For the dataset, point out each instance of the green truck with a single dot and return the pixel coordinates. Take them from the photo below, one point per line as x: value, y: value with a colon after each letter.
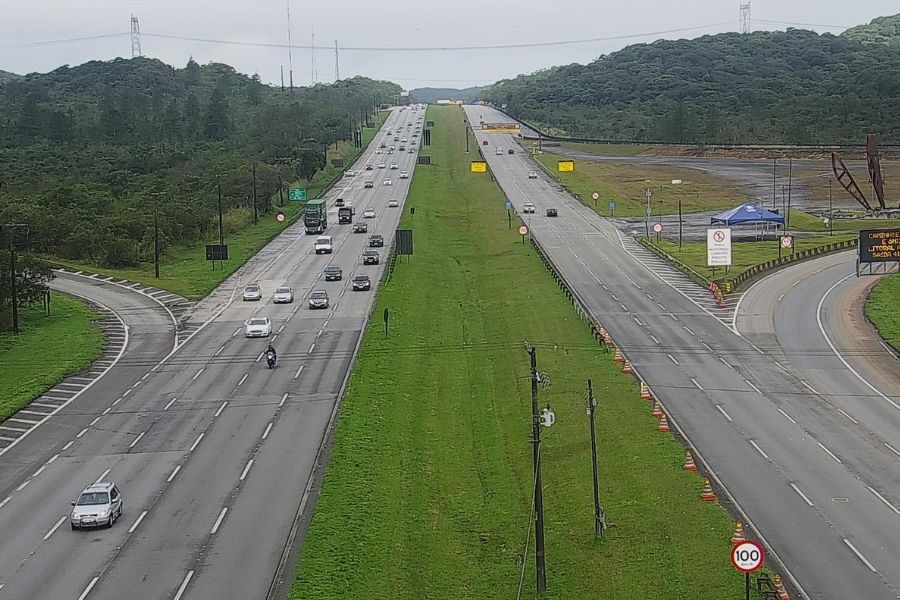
x: 315, y: 218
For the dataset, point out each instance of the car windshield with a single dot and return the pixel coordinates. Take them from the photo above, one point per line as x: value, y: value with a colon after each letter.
x: 257, y: 321
x: 333, y: 269
x: 361, y: 279
x: 251, y: 288
x: 93, y: 499
x: 283, y: 290
x: 318, y: 295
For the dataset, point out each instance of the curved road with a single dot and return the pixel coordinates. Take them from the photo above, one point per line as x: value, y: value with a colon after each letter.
x: 820, y: 492
x: 213, y: 451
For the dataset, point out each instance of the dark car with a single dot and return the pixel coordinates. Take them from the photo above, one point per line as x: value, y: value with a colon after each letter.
x: 361, y: 283
x: 484, y: 143
x: 360, y: 227
x: 370, y: 257
x: 551, y: 212
x: 511, y: 151
x: 376, y: 240
x: 333, y: 273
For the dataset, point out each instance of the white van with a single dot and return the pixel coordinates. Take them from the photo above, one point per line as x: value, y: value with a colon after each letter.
x: 323, y: 244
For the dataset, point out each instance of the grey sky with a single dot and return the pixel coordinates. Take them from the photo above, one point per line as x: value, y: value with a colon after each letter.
x: 394, y: 23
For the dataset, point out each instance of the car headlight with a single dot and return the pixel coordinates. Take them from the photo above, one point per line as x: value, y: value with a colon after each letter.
x: 102, y: 514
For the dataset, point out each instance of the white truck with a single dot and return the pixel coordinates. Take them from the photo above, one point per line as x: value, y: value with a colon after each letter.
x: 323, y: 244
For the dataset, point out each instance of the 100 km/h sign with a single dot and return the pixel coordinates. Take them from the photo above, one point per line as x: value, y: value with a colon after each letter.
x: 748, y: 556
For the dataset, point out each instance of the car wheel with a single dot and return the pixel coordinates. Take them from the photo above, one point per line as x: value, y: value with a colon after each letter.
x: 74, y: 527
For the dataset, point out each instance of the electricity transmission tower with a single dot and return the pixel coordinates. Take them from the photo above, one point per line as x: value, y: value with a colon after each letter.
x: 337, y: 64
x: 745, y: 17
x: 135, y: 37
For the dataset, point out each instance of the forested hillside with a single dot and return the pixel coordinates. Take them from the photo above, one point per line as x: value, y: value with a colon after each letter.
x: 431, y: 95
x: 764, y: 87
x: 86, y: 151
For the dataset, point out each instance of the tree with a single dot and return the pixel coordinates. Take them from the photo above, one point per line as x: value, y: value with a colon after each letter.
x: 215, y: 120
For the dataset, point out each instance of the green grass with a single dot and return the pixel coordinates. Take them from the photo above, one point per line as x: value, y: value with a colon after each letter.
x: 46, y: 350
x: 802, y: 221
x: 743, y: 254
x: 883, y: 309
x: 185, y: 271
x: 626, y: 184
x: 428, y: 489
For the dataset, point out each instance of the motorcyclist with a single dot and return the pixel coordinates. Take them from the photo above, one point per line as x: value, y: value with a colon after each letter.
x: 271, y: 355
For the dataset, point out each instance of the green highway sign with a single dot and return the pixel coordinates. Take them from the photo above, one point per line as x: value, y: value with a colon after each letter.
x: 297, y: 195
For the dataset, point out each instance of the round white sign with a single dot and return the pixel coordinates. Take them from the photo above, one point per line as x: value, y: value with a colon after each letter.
x: 657, y: 227
x: 595, y: 195
x: 523, y: 230
x: 747, y: 556
x: 787, y: 241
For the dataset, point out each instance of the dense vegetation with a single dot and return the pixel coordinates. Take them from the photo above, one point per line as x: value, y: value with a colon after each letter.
x: 88, y: 153
x: 777, y: 87
x: 432, y: 95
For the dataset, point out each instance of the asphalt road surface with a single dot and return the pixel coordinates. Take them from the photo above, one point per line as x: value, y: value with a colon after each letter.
x: 822, y: 492
x: 212, y: 450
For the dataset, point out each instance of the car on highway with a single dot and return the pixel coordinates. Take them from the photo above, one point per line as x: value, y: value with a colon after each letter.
x: 402, y: 148
x: 411, y: 151
x: 323, y: 244
x: 369, y: 213
x: 318, y: 299
x: 396, y: 139
x: 381, y: 165
x: 283, y: 295
x: 258, y: 327
x: 404, y: 174
x: 339, y: 201
x: 532, y: 174
x: 370, y: 167
x: 350, y: 173
x: 379, y: 151
x: 252, y: 292
x: 370, y: 257
x: 528, y: 207
x: 551, y: 212
x: 387, y: 182
x: 499, y: 152
x: 383, y: 145
x: 100, y: 504
x: 484, y: 143
x: 360, y: 227
x: 511, y: 151
x: 404, y: 140
x: 395, y: 166
x: 376, y: 240
x: 333, y: 273
x: 361, y: 283
x: 369, y: 184
x: 393, y: 204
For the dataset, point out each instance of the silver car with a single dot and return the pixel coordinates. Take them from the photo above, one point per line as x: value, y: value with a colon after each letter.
x: 318, y: 299
x: 283, y: 295
x: 258, y: 327
x: 252, y: 292
x: 100, y: 504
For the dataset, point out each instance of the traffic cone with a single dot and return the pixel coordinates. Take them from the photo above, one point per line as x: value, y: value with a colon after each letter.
x: 707, y: 494
x: 626, y: 367
x: 607, y: 339
x: 663, y: 423
x: 619, y: 357
x: 738, y: 536
x: 645, y: 392
x: 603, y: 332
x: 657, y: 410
x: 689, y: 464
x: 779, y: 587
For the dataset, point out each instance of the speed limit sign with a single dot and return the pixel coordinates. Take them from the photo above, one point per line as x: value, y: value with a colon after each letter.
x: 748, y: 556
x: 595, y: 195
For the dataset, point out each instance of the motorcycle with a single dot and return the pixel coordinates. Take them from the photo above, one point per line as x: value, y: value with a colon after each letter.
x: 270, y: 359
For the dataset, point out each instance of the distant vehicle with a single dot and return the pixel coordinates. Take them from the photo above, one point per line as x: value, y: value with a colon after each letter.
x: 100, y: 504
x: 369, y: 167
x: 333, y: 273
x: 383, y: 145
x: 376, y: 240
x: 411, y: 151
x: 528, y: 207
x: 339, y: 201
x: 393, y: 204
x: 370, y: 257
x: 532, y: 174
x: 369, y: 184
x: 360, y: 227
x: 345, y: 215
x: 315, y: 217
x: 394, y: 166
x: 323, y: 244
x: 484, y: 143
x: 350, y: 173
x: 283, y: 295
x: 379, y: 151
x: 396, y: 139
x: 318, y: 299
x: 258, y: 327
x: 499, y: 152
x: 404, y: 174
x: 402, y: 148
x: 252, y: 292
x: 404, y: 140
x: 361, y: 283
x: 381, y: 165
x: 387, y: 182
x: 369, y: 213
x: 551, y: 212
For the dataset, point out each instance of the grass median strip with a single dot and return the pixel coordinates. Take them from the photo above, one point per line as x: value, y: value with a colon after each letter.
x: 883, y: 309
x: 47, y: 349
x: 429, y: 485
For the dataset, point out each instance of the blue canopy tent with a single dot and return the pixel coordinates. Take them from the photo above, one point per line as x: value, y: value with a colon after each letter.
x: 746, y: 213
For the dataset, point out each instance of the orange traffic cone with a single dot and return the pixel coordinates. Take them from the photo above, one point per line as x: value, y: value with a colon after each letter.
x: 626, y: 367
x: 689, y: 464
x: 663, y: 423
x: 607, y: 339
x: 779, y: 587
x: 707, y: 494
x: 645, y: 392
x: 619, y: 357
x: 603, y: 332
x: 657, y: 410
x: 738, y: 536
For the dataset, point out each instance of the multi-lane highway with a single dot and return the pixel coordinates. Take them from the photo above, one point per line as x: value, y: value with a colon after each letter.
x: 822, y: 491
x: 213, y: 451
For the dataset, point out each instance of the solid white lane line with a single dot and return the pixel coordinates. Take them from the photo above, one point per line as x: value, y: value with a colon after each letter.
x: 299, y: 370
x: 146, y: 375
x: 243, y: 379
x: 266, y: 432
x: 672, y: 358
x: 5, y: 501
x: 94, y: 422
x: 840, y: 410
x: 311, y: 348
x: 221, y: 408
x: 53, y: 529
x: 184, y: 584
x: 781, y: 366
x: 126, y: 393
x: 787, y: 416
x: 137, y: 522
x: 829, y: 452
x: 81, y: 433
x: 246, y: 469
x: 885, y: 500
x: 283, y: 398
x: 103, y: 476
x: 40, y: 470
x: 697, y: 385
x: 106, y: 411
x: 89, y: 587
x: 724, y: 414
x: 117, y: 400
x: 174, y: 473
x: 198, y: 373
x: 219, y: 520
x: 725, y: 362
x: 688, y: 329
x: 892, y: 449
x: 653, y: 337
x: 760, y: 450
x: 171, y: 402
x: 860, y: 556
x: 809, y: 387
x: 755, y: 389
x: 196, y: 442
x: 802, y: 495
x: 136, y: 440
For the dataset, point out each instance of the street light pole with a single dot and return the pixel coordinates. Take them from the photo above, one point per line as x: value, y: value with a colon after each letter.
x: 221, y: 230
x: 156, y: 234
x: 255, y: 206
x: 830, y: 209
x: 598, y: 511
x: 649, y: 212
x: 13, y: 289
x: 538, y: 488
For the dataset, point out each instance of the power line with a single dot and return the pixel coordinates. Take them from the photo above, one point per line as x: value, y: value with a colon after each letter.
x: 89, y: 38
x: 802, y: 24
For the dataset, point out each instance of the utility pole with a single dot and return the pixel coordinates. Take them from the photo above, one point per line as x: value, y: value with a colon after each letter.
x: 156, y: 196
x: 649, y: 211
x: 538, y: 488
x: 830, y: 209
x: 337, y: 64
x: 221, y: 230
x: 13, y: 289
x: 467, y: 139
x: 679, y: 224
x: 790, y: 185
x: 774, y: 166
x: 255, y: 206
x: 598, y: 511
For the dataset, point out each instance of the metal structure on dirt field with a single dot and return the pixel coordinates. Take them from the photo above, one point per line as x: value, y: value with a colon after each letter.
x: 845, y: 178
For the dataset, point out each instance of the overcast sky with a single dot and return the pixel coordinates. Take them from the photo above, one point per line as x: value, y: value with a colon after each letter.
x: 386, y: 23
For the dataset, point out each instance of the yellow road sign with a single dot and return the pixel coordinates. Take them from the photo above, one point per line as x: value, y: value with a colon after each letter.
x: 478, y: 166
x: 565, y: 166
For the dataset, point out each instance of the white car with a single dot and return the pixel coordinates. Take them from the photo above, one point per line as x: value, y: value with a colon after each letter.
x: 369, y: 213
x: 394, y: 166
x: 404, y: 174
x: 252, y: 292
x: 393, y: 204
x: 258, y: 327
x: 323, y: 244
x: 381, y: 165
x: 379, y: 151
x: 528, y: 208
x: 404, y: 140
x: 350, y: 173
x: 388, y: 182
x: 99, y: 505
x: 499, y: 152
x: 411, y: 151
x: 283, y: 295
x: 532, y: 174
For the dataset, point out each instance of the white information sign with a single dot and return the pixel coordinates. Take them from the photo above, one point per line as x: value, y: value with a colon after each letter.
x: 718, y: 247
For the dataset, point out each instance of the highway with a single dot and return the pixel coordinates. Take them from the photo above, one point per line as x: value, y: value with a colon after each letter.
x: 213, y: 451
x: 820, y: 491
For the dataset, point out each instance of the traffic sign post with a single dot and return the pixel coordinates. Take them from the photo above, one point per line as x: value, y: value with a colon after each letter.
x: 748, y: 557
x: 595, y: 196
x: 612, y: 208
x: 279, y: 217
x: 297, y: 195
x: 509, y: 214
x: 523, y: 231
x: 657, y: 229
